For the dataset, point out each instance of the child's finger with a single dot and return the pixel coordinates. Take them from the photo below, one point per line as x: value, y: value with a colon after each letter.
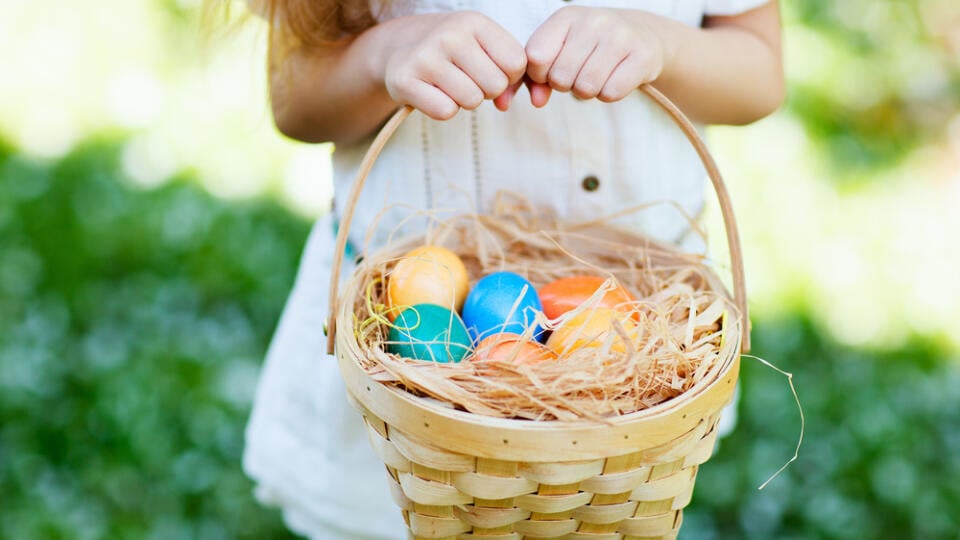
x: 491, y: 80
x: 544, y: 46
x: 459, y: 86
x: 539, y: 93
x: 569, y: 62
x: 597, y: 70
x: 430, y: 100
x: 502, y: 102
x: 504, y: 50
x: 627, y: 77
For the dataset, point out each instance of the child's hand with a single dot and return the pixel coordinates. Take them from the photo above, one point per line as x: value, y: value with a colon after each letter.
x: 539, y: 94
x: 441, y: 62
x: 595, y: 52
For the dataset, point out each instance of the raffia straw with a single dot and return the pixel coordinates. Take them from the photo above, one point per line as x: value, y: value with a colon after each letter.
x: 803, y: 422
x: 674, y: 348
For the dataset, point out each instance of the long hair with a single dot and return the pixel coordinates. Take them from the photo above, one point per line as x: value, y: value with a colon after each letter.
x: 309, y: 24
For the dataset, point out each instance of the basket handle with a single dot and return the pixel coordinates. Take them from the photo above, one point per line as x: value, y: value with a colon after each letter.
x: 726, y: 208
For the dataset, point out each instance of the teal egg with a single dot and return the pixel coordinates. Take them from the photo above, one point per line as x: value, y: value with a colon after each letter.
x: 429, y: 332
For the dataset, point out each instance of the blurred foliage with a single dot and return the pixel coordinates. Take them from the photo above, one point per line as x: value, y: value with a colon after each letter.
x: 133, y: 323
x: 870, y: 80
x: 880, y: 454
x: 132, y: 328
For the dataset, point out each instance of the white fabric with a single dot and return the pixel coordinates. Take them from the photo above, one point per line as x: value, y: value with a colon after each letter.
x: 306, y: 447
x: 729, y: 7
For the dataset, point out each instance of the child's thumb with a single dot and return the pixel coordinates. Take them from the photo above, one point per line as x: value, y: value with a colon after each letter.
x: 539, y: 93
x: 502, y: 102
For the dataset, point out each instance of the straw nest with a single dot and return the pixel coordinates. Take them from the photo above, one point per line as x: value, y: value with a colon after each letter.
x: 680, y: 314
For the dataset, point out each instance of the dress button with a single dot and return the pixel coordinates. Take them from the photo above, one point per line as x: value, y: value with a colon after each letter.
x: 590, y: 183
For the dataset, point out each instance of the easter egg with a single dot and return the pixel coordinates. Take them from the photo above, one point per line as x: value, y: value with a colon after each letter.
x: 591, y: 328
x: 429, y: 332
x: 501, y: 302
x: 427, y: 275
x: 512, y: 348
x: 564, y: 294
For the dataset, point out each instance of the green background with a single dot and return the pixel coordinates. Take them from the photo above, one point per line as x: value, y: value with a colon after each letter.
x: 151, y: 221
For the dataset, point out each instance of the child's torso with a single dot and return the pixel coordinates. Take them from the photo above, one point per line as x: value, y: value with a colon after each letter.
x: 585, y: 159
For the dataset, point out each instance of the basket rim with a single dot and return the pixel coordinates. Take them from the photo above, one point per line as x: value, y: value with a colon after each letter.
x: 538, y: 441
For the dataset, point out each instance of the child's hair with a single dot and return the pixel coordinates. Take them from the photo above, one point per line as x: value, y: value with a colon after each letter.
x: 308, y: 23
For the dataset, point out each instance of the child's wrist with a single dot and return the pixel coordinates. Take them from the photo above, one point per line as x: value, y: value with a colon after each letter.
x: 665, y: 32
x: 386, y: 40
x: 376, y: 54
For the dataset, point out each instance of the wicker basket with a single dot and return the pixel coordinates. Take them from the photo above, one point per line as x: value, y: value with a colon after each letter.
x: 460, y: 475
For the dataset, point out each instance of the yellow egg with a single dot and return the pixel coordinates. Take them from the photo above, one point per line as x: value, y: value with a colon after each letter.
x: 427, y: 275
x: 592, y: 328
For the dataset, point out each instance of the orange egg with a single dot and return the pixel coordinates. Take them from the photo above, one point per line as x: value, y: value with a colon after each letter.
x: 512, y: 348
x: 562, y: 295
x: 591, y: 328
x: 427, y: 275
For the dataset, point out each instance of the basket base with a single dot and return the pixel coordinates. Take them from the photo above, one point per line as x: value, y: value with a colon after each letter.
x: 625, y: 497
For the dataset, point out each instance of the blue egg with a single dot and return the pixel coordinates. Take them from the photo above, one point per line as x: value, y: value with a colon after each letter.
x: 429, y: 332
x: 502, y: 302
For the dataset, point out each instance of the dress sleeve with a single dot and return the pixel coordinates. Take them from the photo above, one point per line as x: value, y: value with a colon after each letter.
x: 725, y: 7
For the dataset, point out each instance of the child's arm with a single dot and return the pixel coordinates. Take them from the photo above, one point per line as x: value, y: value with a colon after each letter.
x: 728, y: 72
x: 436, y: 62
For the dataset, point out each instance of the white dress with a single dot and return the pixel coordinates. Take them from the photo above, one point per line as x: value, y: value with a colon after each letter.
x: 305, y: 446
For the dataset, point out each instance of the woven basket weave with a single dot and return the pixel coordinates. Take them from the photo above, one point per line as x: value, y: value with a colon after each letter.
x: 460, y: 475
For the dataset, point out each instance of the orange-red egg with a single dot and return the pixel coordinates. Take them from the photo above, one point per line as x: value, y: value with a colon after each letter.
x: 427, y: 275
x: 592, y: 328
x: 564, y: 294
x: 512, y: 348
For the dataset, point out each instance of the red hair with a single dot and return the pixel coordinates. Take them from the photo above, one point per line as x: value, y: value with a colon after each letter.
x: 308, y: 23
